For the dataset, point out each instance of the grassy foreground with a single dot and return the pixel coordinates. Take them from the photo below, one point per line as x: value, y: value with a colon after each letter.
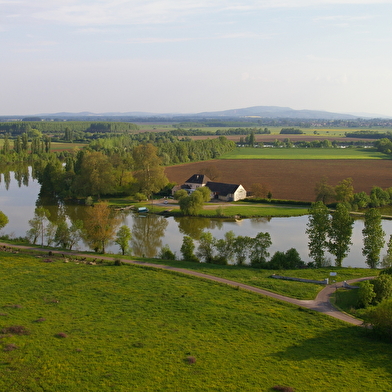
x: 304, y: 153
x: 135, y: 329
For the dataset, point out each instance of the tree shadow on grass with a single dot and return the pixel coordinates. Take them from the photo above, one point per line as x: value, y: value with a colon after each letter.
x: 346, y: 345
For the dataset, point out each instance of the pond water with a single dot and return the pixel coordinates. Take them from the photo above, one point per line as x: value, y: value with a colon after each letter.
x: 18, y: 196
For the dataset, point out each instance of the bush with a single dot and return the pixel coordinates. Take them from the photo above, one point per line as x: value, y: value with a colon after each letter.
x: 117, y: 262
x: 380, y: 317
x: 366, y: 294
x: 166, y: 253
x: 382, y: 288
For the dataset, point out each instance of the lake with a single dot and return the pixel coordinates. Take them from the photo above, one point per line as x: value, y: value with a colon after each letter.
x: 18, y: 196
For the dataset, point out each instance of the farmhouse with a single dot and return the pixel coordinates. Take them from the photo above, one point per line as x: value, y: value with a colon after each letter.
x: 219, y: 190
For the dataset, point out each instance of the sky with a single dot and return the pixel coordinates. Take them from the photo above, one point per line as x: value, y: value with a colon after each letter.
x: 190, y: 56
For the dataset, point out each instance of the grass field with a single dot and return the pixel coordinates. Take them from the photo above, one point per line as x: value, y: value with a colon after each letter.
x: 304, y: 153
x: 107, y: 328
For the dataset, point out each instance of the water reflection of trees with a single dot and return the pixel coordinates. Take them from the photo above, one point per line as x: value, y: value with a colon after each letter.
x: 194, y: 227
x: 21, y: 174
x: 147, y: 233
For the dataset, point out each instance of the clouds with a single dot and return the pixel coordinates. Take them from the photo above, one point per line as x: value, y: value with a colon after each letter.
x: 122, y: 12
x: 187, y: 56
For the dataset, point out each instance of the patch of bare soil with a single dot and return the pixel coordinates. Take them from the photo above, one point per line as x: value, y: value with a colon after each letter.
x: 291, y: 179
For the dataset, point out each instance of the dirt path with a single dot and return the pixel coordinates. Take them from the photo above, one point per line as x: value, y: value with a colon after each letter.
x: 321, y: 304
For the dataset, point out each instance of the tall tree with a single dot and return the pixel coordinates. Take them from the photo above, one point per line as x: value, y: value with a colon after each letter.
x: 387, y: 259
x: 95, y: 176
x: 149, y: 174
x: 187, y: 249
x: 373, y: 237
x: 205, y: 251
x: 259, y: 252
x: 37, y: 225
x: 317, y: 231
x: 340, y: 233
x: 100, y: 226
x: 324, y: 192
x: 123, y: 237
x: 345, y: 191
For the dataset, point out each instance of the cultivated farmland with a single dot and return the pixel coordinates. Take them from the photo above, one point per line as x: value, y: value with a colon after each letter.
x: 291, y: 179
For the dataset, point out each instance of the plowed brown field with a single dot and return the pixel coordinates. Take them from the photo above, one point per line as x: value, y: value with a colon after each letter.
x: 291, y: 179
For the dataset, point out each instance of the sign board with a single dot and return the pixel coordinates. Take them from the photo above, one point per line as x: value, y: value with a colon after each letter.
x: 333, y: 273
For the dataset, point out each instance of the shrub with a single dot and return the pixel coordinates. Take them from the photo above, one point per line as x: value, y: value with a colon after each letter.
x: 386, y: 271
x: 380, y: 317
x: 166, y: 253
x: 117, y: 262
x: 382, y: 288
x: 366, y: 294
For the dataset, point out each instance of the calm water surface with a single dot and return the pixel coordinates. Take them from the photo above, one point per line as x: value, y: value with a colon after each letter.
x: 18, y: 200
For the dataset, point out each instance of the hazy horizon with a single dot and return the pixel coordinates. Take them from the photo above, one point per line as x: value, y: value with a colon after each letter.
x: 194, y: 56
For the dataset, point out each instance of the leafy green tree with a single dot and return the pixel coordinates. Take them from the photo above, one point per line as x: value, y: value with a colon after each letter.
x: 100, y: 226
x: 345, y: 191
x: 191, y: 204
x: 205, y: 250
x: 317, y: 231
x: 225, y: 247
x: 340, y: 232
x: 289, y: 260
x: 379, y: 197
x: 166, y: 253
x: 206, y: 193
x: 37, y: 224
x: 242, y: 248
x: 380, y: 317
x: 18, y: 145
x: 387, y: 259
x: 123, y: 237
x: 382, y: 286
x: 181, y: 193
x: 324, y: 192
x: 366, y: 294
x: 259, y: 251
x: 95, y: 176
x: 3, y: 220
x: 140, y: 196
x: 6, y: 144
x: 361, y: 200
x: 187, y: 249
x: 373, y: 237
x: 150, y: 175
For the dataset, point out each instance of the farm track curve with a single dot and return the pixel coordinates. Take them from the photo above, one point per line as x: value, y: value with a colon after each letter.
x: 321, y: 304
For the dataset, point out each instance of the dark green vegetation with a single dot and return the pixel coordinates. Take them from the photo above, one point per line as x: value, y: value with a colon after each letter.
x: 372, y: 303
x: 72, y: 327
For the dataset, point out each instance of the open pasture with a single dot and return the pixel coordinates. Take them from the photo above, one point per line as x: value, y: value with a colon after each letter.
x: 291, y: 179
x: 304, y: 153
x: 106, y: 328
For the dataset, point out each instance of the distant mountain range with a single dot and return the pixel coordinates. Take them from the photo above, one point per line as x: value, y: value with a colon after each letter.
x: 271, y: 112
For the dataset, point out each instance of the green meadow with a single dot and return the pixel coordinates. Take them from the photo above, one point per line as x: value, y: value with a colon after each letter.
x: 304, y: 153
x: 78, y: 327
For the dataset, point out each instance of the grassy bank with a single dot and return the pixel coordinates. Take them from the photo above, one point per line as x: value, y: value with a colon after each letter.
x: 107, y: 328
x: 217, y: 210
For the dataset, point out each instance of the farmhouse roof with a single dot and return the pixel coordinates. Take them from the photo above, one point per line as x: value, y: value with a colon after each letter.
x: 222, y: 188
x: 198, y: 179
